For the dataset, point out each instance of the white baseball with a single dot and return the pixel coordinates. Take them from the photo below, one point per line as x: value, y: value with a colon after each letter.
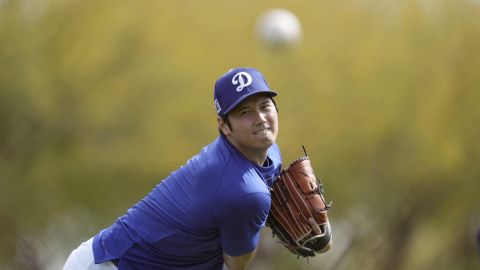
x: 279, y: 28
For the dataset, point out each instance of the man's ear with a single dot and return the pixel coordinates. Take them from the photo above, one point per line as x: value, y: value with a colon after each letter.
x: 223, y: 126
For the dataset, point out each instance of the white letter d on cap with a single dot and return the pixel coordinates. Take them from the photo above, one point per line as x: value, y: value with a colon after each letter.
x: 243, y: 79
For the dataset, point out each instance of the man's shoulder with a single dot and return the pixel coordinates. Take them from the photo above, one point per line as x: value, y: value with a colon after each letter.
x: 217, y: 151
x: 210, y: 164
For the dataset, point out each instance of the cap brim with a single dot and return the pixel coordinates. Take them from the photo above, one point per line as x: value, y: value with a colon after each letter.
x: 233, y: 105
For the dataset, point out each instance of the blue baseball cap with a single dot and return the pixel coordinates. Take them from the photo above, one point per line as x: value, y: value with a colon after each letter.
x: 235, y: 86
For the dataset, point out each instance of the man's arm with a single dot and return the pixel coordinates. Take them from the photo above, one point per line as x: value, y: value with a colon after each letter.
x: 238, y: 262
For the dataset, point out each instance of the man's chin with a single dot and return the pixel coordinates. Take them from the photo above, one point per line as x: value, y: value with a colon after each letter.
x: 266, y: 143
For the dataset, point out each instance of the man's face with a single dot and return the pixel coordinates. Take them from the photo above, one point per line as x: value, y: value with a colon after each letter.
x: 254, y: 124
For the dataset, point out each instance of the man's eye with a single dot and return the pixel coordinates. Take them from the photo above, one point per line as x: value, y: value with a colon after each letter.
x: 266, y: 105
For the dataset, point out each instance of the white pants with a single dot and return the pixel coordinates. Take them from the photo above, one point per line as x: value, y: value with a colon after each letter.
x: 82, y: 259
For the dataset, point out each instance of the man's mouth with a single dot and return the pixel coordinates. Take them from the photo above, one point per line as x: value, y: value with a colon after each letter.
x: 262, y: 131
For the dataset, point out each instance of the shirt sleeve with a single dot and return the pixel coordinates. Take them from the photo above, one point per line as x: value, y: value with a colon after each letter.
x: 241, y: 220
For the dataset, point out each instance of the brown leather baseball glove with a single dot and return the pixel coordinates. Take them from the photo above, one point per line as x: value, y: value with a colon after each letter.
x: 298, y: 214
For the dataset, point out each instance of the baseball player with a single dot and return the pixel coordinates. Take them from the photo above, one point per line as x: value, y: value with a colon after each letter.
x: 207, y: 214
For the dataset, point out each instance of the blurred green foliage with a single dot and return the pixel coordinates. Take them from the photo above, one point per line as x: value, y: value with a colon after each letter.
x: 100, y: 100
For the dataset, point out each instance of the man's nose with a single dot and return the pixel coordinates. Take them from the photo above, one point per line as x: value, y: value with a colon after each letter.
x: 260, y: 117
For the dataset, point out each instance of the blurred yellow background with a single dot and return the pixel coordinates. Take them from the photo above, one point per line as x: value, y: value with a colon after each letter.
x: 100, y: 100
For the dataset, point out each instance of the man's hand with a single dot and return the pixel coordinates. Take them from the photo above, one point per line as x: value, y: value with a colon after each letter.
x: 238, y: 262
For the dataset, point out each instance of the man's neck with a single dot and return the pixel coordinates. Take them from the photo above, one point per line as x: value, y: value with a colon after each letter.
x: 257, y: 159
x: 255, y: 156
